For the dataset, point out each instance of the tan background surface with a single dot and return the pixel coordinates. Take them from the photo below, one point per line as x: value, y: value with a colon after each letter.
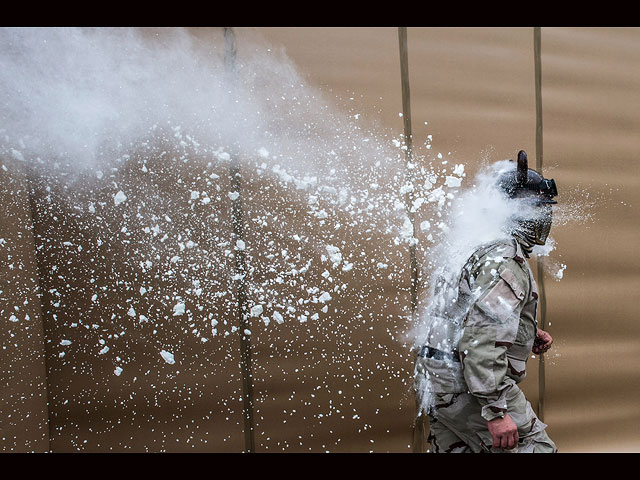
x: 475, y: 88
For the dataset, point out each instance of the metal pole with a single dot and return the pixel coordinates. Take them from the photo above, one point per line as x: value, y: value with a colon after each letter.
x: 540, y: 261
x: 406, y: 116
x: 418, y: 434
x: 241, y: 270
x: 31, y: 179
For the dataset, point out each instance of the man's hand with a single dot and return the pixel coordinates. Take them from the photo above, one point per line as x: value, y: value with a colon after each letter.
x: 503, y: 432
x: 542, y: 342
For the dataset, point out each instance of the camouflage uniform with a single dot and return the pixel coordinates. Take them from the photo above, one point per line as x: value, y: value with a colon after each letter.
x: 469, y: 367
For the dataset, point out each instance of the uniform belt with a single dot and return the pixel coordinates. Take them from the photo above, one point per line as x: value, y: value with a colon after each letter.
x: 428, y: 352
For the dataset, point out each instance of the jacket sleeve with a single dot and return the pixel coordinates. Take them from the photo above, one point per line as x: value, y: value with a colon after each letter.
x: 490, y: 329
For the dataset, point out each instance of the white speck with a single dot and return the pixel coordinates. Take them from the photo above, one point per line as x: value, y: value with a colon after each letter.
x: 195, y: 195
x: 278, y: 318
x: 17, y: 155
x: 118, y: 371
x: 143, y: 290
x: 65, y: 342
x: 224, y: 156
x: 131, y: 312
x: 256, y: 310
x: 233, y: 195
x: 104, y: 350
x: 240, y: 245
x: 263, y: 152
x: 178, y: 309
x: 247, y: 331
x: 167, y: 357
x: 424, y: 226
x: 334, y: 254
x: 119, y: 198
x: 452, y: 182
x: 324, y: 298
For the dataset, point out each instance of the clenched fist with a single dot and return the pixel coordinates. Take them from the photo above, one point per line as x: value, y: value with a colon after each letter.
x: 542, y: 343
x: 503, y: 432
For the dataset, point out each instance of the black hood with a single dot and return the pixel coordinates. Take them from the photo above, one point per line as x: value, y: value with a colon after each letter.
x: 523, y: 182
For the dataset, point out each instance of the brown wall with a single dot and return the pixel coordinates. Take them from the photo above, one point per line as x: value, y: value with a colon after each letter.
x: 475, y: 88
x: 342, y: 384
x: 24, y: 423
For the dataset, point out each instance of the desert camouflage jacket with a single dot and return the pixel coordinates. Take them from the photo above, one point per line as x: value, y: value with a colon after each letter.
x: 489, y: 329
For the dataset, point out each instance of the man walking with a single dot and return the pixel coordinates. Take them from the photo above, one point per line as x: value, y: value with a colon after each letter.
x: 482, y: 328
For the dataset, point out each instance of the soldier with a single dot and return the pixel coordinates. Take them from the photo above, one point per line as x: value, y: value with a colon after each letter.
x: 482, y: 328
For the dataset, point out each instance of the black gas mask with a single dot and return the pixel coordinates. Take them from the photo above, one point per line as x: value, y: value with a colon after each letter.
x: 533, y: 223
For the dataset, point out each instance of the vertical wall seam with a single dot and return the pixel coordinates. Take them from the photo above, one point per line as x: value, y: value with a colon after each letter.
x: 418, y: 441
x: 241, y: 271
x: 30, y: 176
x: 542, y: 311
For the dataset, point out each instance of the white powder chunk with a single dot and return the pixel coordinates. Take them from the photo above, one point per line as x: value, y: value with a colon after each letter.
x: 119, y: 198
x: 17, y: 155
x: 178, y: 309
x: 334, y: 254
x: 167, y: 357
x: 324, y: 298
x: 452, y: 182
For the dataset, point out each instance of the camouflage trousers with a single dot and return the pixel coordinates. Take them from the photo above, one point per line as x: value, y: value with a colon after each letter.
x: 457, y: 427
